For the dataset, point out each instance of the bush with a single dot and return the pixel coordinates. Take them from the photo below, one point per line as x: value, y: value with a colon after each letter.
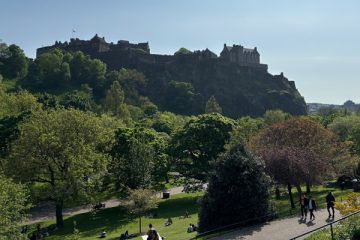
x: 238, y: 191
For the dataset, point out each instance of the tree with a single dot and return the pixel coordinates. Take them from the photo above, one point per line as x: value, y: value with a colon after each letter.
x: 201, y: 140
x: 139, y: 158
x: 180, y: 97
x: 114, y: 99
x: 13, y: 208
x: 341, y: 126
x: 140, y: 201
x: 212, y: 106
x: 245, y: 129
x: 13, y: 62
x: 354, y: 136
x: 182, y: 51
x: 296, y: 151
x: 64, y: 152
x: 275, y: 116
x: 238, y: 190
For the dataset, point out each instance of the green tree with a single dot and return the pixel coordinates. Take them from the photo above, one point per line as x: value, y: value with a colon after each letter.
x: 79, y: 100
x: 139, y: 158
x: 341, y: 126
x: 62, y: 151
x: 201, y: 140
x: 238, y: 190
x: 140, y: 201
x: 180, y: 97
x: 245, y: 129
x: 275, y: 116
x: 114, y: 102
x: 13, y: 208
x: 182, y: 51
x: 354, y: 136
x: 212, y: 106
x: 13, y: 62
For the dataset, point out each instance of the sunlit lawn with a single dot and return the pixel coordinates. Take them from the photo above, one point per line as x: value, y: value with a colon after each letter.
x: 116, y: 221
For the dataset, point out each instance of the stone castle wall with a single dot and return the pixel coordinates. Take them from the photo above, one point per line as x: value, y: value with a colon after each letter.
x: 129, y: 55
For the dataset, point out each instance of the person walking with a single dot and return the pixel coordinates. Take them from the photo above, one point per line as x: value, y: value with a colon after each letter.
x: 330, y: 202
x: 312, y: 207
x: 304, y: 202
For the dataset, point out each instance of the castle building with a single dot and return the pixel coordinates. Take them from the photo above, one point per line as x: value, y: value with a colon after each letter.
x: 126, y: 54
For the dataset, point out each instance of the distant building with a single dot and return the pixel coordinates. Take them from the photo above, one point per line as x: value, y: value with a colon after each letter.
x: 126, y: 54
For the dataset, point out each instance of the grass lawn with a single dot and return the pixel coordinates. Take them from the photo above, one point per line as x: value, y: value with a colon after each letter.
x: 116, y: 221
x: 282, y: 206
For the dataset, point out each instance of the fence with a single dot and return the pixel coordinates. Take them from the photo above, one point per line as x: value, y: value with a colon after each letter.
x: 326, y: 226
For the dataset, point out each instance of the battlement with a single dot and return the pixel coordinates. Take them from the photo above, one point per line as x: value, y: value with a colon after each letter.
x: 126, y: 54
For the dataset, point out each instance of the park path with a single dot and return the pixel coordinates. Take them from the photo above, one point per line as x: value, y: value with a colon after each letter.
x: 282, y: 229
x: 46, y: 210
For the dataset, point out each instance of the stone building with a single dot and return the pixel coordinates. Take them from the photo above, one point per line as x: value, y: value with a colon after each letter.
x: 126, y: 54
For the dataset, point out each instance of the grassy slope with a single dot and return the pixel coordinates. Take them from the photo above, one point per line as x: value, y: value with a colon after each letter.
x: 115, y: 220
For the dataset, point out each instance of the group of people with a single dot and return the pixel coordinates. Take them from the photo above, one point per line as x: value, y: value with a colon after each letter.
x: 311, y: 205
x: 192, y: 228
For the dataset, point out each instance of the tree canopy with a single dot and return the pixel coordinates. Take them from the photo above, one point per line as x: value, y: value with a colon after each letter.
x: 238, y: 190
x: 201, y: 140
x: 62, y: 150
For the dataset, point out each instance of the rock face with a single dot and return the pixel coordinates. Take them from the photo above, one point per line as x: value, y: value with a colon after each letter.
x: 237, y: 79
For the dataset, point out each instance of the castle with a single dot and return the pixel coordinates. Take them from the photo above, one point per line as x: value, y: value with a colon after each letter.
x: 129, y: 55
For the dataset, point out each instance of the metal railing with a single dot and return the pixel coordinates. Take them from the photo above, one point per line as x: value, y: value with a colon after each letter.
x: 325, y: 226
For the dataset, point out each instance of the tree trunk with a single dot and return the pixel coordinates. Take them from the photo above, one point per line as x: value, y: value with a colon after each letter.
x: 291, y: 196
x: 140, y: 225
x: 277, y: 192
x: 59, y: 214
x: 298, y: 188
x: 166, y: 178
x: 308, y: 190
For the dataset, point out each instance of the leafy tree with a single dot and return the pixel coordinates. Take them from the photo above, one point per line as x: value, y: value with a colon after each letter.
x: 13, y: 208
x: 341, y: 126
x: 13, y: 104
x: 212, y: 106
x: 182, y: 51
x: 201, y: 140
x: 354, y: 136
x: 13, y: 62
x: 328, y: 114
x: 275, y: 116
x: 180, y: 97
x: 114, y: 98
x: 140, y: 201
x: 245, y: 129
x: 62, y: 151
x: 296, y: 151
x: 139, y: 158
x: 132, y: 82
x: 238, y: 190
x: 78, y: 100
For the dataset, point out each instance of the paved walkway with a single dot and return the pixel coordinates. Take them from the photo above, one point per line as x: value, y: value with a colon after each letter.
x: 46, y: 211
x: 282, y: 229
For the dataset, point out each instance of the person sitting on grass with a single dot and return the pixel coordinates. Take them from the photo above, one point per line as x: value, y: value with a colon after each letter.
x: 125, y: 235
x: 194, y: 227
x: 103, y: 234
x: 169, y: 222
x: 190, y: 228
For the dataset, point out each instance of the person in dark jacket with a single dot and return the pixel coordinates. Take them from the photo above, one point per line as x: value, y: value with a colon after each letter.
x: 330, y: 202
x: 312, y: 207
x: 304, y: 202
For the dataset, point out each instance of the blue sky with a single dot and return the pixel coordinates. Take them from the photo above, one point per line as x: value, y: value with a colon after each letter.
x: 315, y: 43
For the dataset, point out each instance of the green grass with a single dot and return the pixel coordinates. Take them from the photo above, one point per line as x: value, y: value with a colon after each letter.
x: 283, y: 208
x: 116, y: 221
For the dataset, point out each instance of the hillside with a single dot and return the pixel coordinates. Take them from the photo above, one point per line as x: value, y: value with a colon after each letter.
x: 182, y: 83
